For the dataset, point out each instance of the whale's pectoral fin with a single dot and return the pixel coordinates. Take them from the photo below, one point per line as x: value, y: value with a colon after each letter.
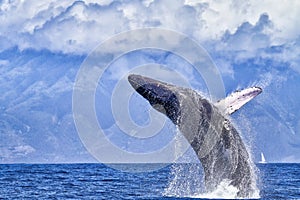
x: 236, y: 100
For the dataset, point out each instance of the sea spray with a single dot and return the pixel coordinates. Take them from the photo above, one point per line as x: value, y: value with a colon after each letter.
x: 223, y: 191
x: 246, y: 127
x: 186, y: 180
x: 186, y: 173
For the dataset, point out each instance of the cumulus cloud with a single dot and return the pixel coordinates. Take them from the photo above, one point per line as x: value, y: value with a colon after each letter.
x: 249, y: 37
x: 232, y: 31
x: 79, y: 26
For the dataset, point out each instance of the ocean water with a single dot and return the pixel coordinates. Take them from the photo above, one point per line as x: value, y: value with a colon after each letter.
x: 97, y: 181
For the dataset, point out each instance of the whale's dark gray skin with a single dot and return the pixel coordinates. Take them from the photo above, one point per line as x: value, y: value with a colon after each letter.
x: 216, y: 142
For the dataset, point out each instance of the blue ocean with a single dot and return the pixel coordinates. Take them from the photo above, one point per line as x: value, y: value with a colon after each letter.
x: 98, y: 181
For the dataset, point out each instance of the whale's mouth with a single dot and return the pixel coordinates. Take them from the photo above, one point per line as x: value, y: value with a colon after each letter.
x: 159, y: 95
x: 136, y: 81
x: 154, y: 91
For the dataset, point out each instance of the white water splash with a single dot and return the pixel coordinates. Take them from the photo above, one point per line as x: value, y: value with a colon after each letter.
x: 181, y: 188
x: 187, y: 180
x: 186, y: 173
x: 223, y: 191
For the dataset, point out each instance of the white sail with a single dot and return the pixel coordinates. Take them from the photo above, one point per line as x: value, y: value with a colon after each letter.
x: 263, y: 160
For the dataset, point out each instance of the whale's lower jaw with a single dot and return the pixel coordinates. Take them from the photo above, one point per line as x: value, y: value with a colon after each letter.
x: 215, y: 141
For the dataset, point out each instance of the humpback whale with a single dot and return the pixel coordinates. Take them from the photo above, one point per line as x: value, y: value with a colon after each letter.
x: 207, y: 128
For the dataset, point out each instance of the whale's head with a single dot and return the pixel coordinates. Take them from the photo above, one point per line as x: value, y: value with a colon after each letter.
x: 159, y: 94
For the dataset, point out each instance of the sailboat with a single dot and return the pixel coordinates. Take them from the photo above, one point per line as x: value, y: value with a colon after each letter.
x: 263, y: 160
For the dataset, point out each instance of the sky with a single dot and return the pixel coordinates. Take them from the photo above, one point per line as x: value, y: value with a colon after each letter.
x: 44, y: 43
